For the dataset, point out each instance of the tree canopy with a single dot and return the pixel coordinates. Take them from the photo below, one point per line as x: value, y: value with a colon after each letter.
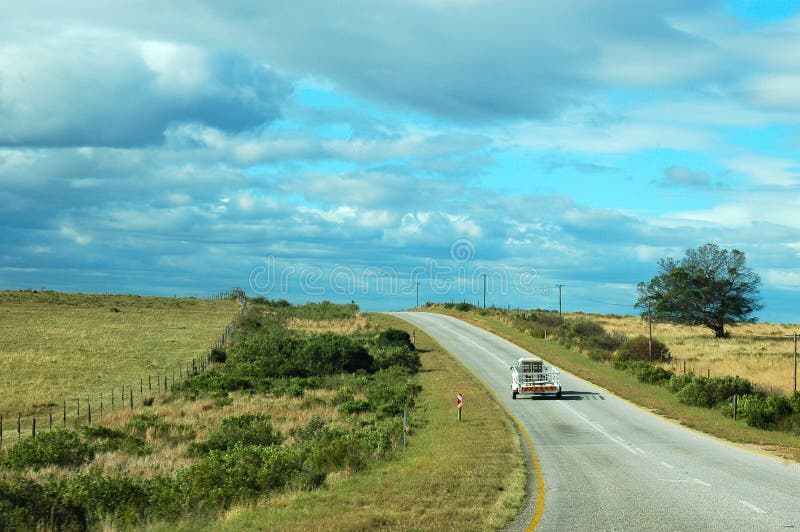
x: 709, y: 286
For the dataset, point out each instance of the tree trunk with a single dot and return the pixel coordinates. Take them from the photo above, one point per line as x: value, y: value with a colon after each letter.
x: 719, y: 330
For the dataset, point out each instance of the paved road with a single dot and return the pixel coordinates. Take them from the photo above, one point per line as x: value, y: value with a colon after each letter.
x: 608, y: 465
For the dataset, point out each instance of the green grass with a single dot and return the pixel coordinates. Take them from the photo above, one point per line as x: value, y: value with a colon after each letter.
x: 56, y: 346
x: 467, y: 475
x: 655, y: 398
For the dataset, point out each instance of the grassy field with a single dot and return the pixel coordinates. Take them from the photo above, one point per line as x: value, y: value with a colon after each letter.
x: 56, y: 346
x: 761, y: 352
x: 656, y: 398
x: 467, y: 475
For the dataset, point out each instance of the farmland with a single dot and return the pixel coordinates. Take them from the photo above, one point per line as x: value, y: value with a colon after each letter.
x: 56, y: 346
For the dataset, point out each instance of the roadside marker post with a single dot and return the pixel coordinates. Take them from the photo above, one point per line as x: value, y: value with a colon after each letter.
x: 460, y: 403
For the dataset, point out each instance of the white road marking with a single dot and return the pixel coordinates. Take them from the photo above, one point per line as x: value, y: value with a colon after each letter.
x: 597, y: 427
x: 698, y: 481
x: 639, y: 450
x: 667, y: 465
x: 753, y: 507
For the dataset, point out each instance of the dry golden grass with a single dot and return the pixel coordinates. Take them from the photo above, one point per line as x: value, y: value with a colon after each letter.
x: 56, y: 347
x: 359, y: 324
x: 759, y: 352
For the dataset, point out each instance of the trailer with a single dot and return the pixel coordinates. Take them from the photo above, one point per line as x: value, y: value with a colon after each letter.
x: 532, y: 376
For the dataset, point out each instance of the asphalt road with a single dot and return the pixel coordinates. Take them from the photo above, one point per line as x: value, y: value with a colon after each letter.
x: 609, y: 465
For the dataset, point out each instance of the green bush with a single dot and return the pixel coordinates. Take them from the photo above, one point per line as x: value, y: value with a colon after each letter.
x: 105, y: 439
x: 643, y: 371
x: 247, y: 429
x: 395, y: 337
x: 679, y: 382
x: 332, y: 353
x: 764, y: 412
x: 464, y: 306
x: 397, y: 355
x: 638, y: 348
x: 355, y: 406
x: 391, y: 391
x: 710, y: 391
x: 310, y: 430
x: 58, y: 447
x: 213, y: 381
x: 217, y: 355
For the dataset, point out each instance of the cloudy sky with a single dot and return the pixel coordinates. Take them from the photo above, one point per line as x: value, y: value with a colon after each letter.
x: 353, y: 149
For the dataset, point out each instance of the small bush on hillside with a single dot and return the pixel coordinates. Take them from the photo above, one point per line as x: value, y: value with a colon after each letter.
x: 679, y: 382
x: 105, y: 439
x: 395, y: 337
x: 764, y: 412
x: 59, y: 447
x: 247, y: 429
x: 356, y: 406
x: 638, y: 348
x: 644, y: 372
x: 217, y: 355
x: 390, y: 392
x: 332, y: 353
x: 710, y: 391
x: 397, y: 355
x: 464, y: 306
x: 212, y: 381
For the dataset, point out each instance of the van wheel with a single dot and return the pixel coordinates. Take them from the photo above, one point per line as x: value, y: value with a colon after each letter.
x: 513, y: 394
x: 558, y: 394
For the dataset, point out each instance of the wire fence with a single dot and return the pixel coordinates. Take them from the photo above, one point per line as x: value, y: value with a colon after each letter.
x: 90, y: 409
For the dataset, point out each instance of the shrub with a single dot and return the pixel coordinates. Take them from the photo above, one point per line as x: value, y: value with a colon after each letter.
x: 710, y: 391
x: 310, y: 430
x: 644, y: 372
x: 59, y: 447
x: 464, y: 306
x: 764, y: 412
x: 679, y: 382
x: 397, y: 355
x: 395, y: 337
x: 354, y: 407
x: 212, y: 381
x: 391, y: 391
x: 331, y: 353
x: 217, y: 355
x: 638, y: 348
x: 247, y: 429
x: 105, y: 439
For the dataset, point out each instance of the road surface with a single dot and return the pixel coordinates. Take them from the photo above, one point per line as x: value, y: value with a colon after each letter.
x: 609, y: 465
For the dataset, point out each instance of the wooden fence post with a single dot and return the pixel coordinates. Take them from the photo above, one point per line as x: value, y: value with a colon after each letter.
x: 33, y: 428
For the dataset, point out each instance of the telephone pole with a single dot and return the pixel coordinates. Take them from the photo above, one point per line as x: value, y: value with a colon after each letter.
x: 484, y: 290
x: 650, y: 329
x: 417, y: 295
x: 559, y: 299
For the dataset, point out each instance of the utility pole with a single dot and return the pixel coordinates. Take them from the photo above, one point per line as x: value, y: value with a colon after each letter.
x: 650, y: 329
x: 417, y: 294
x: 795, y: 362
x: 484, y: 290
x: 559, y: 299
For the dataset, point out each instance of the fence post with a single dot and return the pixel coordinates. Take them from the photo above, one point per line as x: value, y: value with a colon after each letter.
x: 1, y: 432
x: 165, y: 382
x: 101, y: 405
x: 89, y: 414
x: 51, y: 418
x: 65, y: 413
x: 19, y: 426
x: 149, y: 384
x: 735, y: 405
x: 131, y: 398
x: 112, y: 399
x: 78, y: 401
x: 33, y: 428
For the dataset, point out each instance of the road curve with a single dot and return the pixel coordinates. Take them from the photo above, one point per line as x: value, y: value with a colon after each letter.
x: 609, y: 465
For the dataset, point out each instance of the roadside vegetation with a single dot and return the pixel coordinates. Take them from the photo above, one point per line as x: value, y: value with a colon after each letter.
x: 621, y: 362
x: 303, y: 409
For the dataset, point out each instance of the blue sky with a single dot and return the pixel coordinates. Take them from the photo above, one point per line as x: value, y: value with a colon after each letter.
x: 364, y: 151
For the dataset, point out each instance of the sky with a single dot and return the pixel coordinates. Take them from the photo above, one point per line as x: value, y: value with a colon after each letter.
x: 382, y: 152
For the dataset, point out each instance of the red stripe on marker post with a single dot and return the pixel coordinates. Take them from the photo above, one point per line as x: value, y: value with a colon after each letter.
x: 460, y: 403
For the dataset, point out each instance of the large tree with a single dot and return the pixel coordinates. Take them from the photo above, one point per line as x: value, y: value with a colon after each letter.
x: 710, y: 286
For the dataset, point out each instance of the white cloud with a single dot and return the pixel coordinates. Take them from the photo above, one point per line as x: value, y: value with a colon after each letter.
x: 71, y: 233
x: 761, y: 170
